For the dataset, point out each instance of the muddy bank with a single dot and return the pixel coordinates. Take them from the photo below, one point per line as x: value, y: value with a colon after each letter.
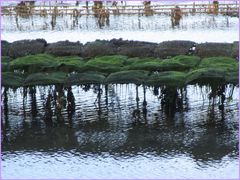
x: 118, y: 46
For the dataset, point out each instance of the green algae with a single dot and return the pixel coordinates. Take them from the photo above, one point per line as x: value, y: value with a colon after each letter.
x: 168, y: 78
x: 85, y: 78
x: 106, y: 64
x: 131, y: 76
x: 34, y: 63
x: 45, y: 78
x: 12, y: 79
x: 178, y: 63
x: 226, y: 63
x: 43, y: 69
x: 5, y: 63
x: 70, y: 63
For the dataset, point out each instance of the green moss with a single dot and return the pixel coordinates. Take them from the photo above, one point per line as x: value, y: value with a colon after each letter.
x: 207, y: 75
x: 85, y: 78
x: 131, y: 76
x: 34, y: 63
x: 5, y: 63
x: 168, y: 78
x: 178, y: 63
x: 106, y: 64
x: 148, y: 64
x: 12, y: 79
x: 45, y: 78
x: 70, y: 63
x: 226, y: 63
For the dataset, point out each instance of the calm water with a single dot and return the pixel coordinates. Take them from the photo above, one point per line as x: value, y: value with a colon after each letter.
x: 157, y: 28
x: 121, y: 131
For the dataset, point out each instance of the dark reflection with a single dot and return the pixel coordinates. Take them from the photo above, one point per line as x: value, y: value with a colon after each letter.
x: 48, y: 110
x: 32, y: 92
x: 128, y: 119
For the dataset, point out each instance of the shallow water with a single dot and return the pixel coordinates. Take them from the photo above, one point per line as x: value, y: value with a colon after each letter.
x: 104, y: 138
x: 157, y: 28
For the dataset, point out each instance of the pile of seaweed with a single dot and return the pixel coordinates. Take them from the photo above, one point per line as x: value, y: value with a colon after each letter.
x: 170, y: 63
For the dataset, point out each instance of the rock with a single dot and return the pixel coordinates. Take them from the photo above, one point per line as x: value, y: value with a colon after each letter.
x: 213, y: 50
x: 98, y: 48
x: 64, y: 48
x: 5, y: 48
x: 27, y: 47
x: 173, y: 48
x: 134, y: 48
x: 235, y: 50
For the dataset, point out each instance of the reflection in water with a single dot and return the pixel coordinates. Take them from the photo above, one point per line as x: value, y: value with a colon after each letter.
x: 126, y: 121
x: 198, y: 123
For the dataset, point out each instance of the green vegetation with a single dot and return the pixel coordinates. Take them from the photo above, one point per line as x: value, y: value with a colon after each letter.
x: 168, y: 78
x: 12, y: 79
x: 43, y: 69
x: 131, y: 76
x: 45, y: 78
x: 226, y: 63
x: 85, y: 78
x: 107, y: 64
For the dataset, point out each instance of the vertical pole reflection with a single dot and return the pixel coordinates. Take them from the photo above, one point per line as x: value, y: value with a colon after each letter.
x: 32, y: 92
x: 70, y: 103
x: 136, y: 112
x: 144, y: 104
x: 48, y: 110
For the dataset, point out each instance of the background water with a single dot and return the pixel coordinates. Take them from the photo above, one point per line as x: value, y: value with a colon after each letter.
x: 104, y: 139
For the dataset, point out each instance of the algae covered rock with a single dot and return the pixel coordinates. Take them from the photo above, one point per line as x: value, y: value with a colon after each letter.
x: 177, y: 63
x: 106, y: 64
x: 173, y: 48
x: 70, y: 63
x: 131, y: 76
x: 168, y: 78
x: 64, y: 48
x: 34, y: 63
x: 45, y: 79
x: 26, y: 47
x: 12, y: 79
x: 227, y: 63
x: 214, y: 49
x: 85, y: 78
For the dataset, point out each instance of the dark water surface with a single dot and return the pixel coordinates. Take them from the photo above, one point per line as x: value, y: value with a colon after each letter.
x: 120, y: 131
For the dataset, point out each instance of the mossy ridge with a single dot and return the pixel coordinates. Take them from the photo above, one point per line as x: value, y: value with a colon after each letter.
x: 70, y: 63
x: 207, y: 75
x: 168, y: 78
x: 45, y: 62
x: 5, y: 63
x: 34, y: 63
x: 131, y: 76
x: 45, y: 78
x: 85, y: 78
x: 177, y: 63
x: 106, y: 64
x: 225, y: 63
x: 12, y: 79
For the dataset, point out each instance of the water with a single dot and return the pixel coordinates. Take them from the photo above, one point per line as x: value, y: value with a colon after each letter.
x: 157, y: 28
x: 111, y: 134
x: 106, y: 138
